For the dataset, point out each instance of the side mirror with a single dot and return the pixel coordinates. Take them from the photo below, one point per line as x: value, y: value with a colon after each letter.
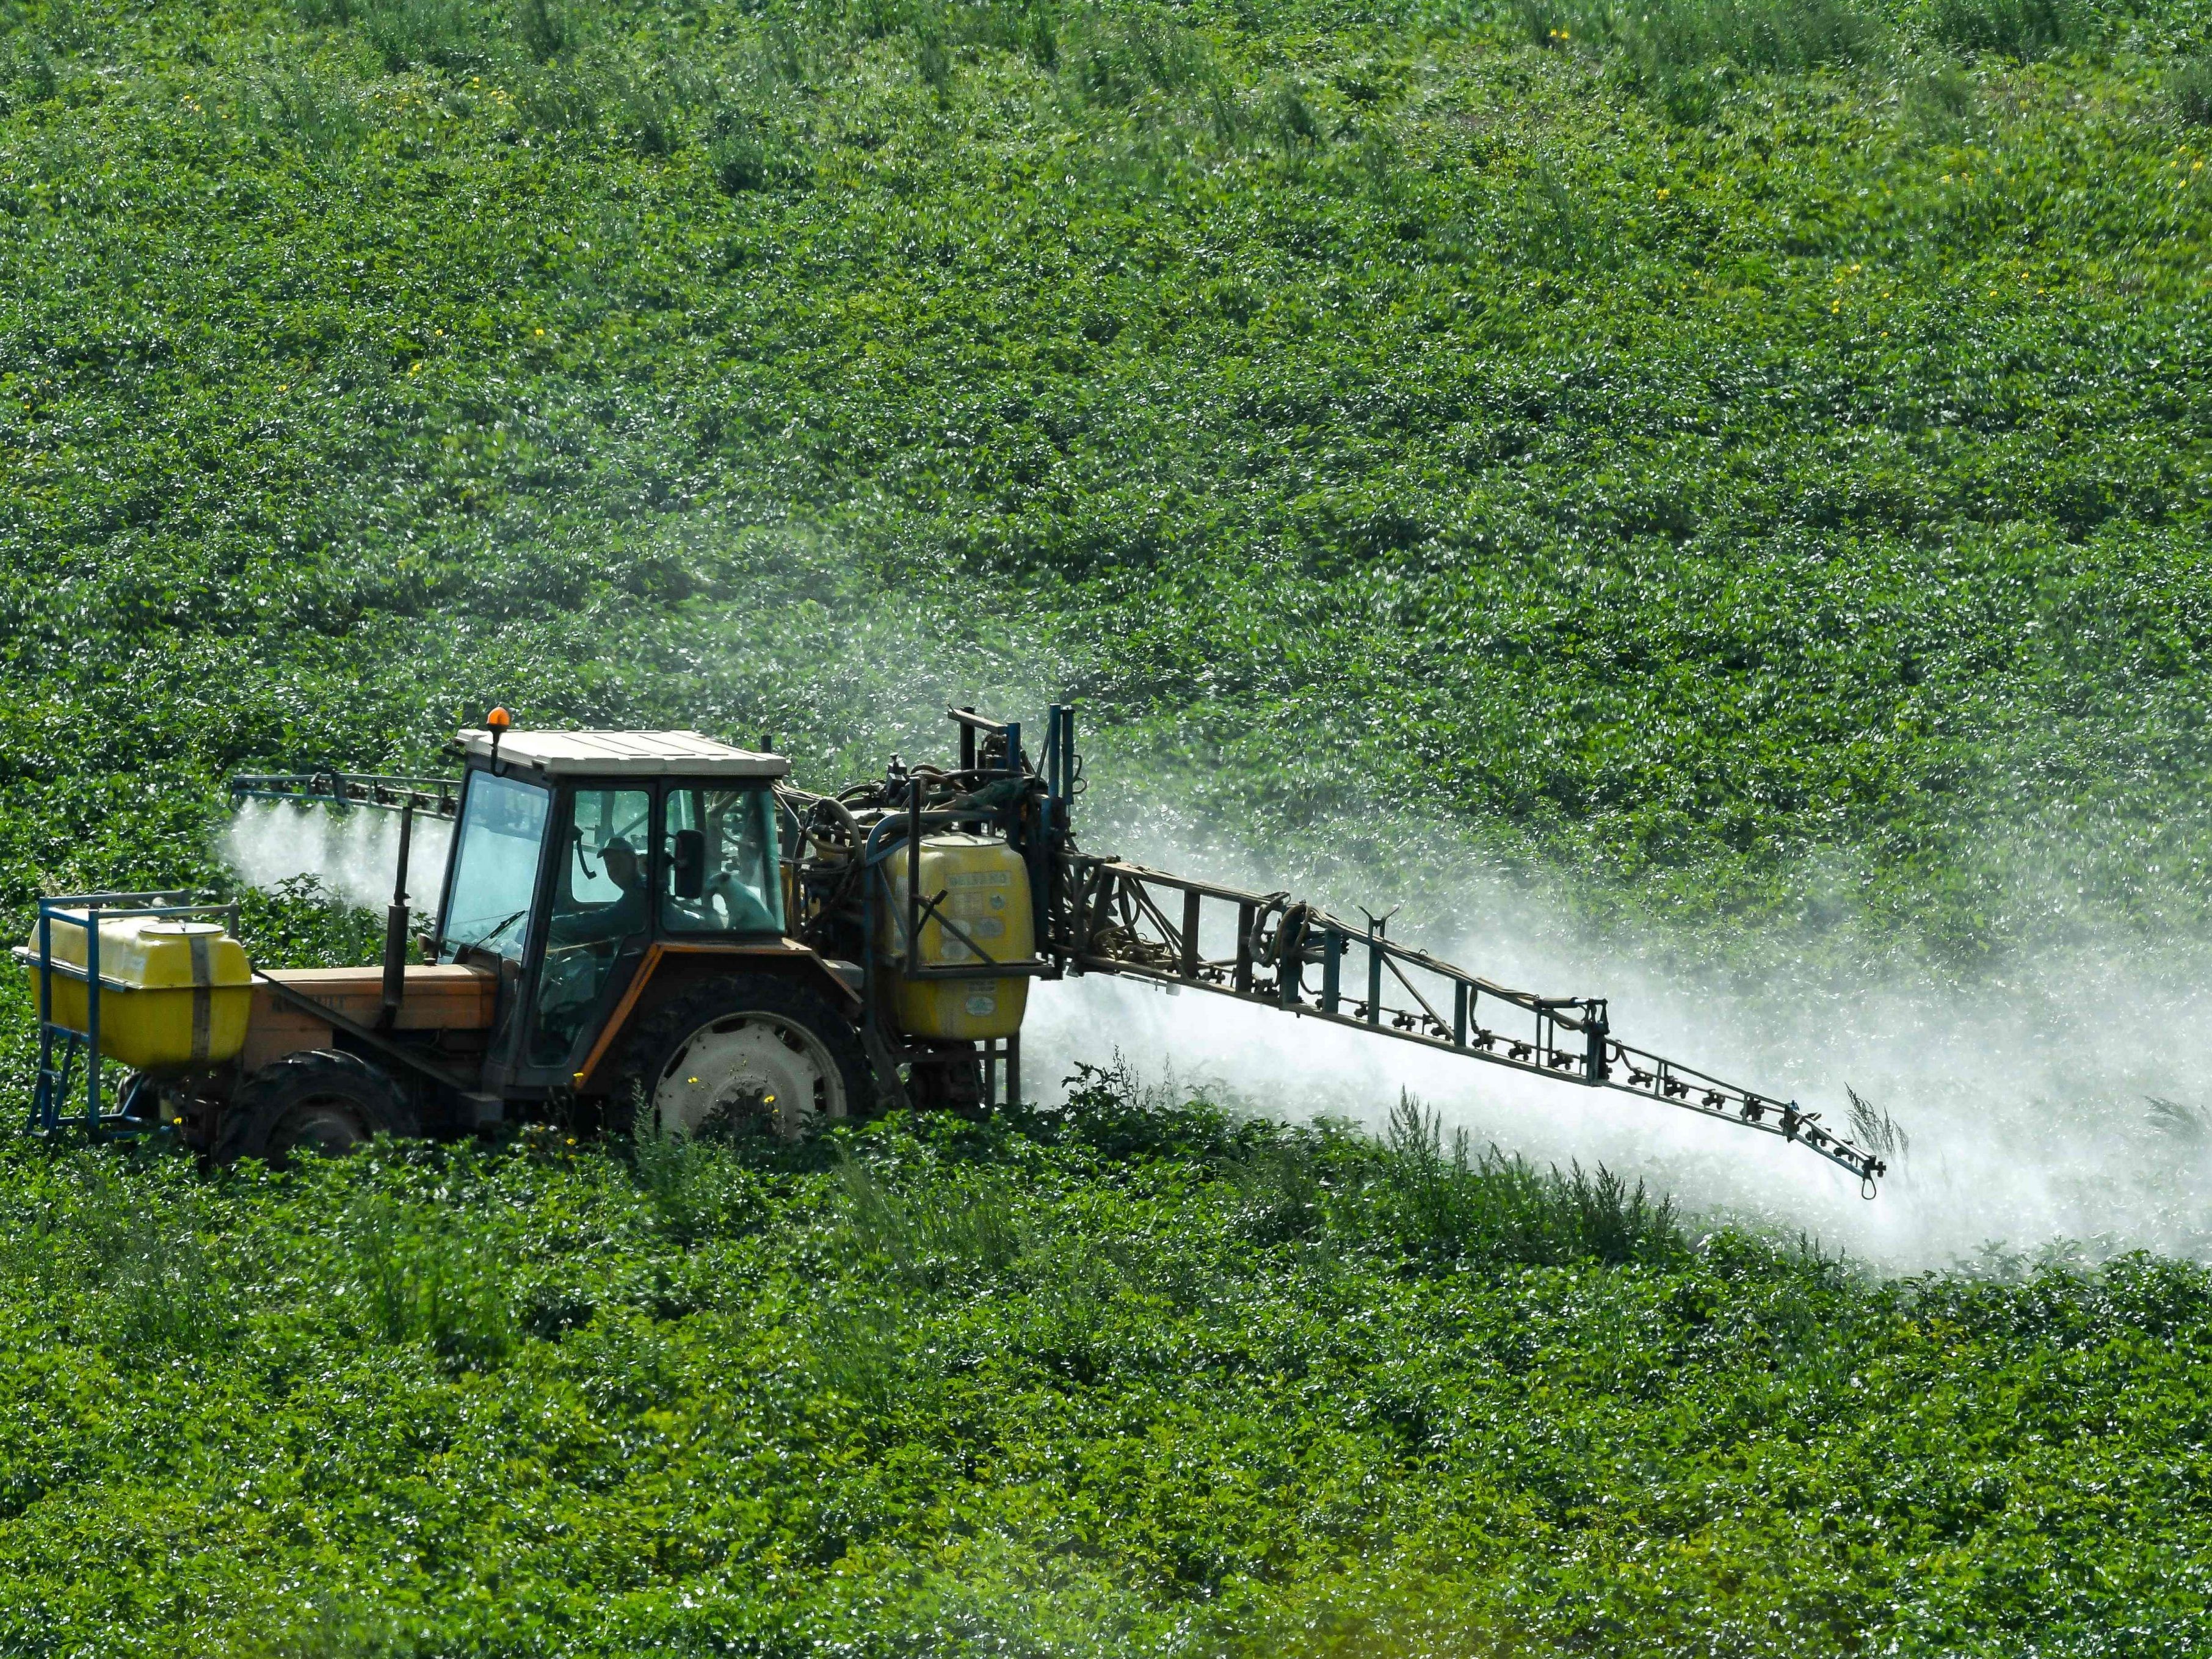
x: 688, y: 870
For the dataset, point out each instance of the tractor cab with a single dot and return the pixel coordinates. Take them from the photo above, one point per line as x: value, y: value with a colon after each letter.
x: 578, y: 855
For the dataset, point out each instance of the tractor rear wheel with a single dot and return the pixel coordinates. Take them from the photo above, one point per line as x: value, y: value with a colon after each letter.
x: 319, y: 1102
x: 743, y: 1051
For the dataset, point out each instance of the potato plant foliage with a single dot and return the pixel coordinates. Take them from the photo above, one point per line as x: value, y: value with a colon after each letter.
x: 1721, y: 454
x: 1122, y: 1378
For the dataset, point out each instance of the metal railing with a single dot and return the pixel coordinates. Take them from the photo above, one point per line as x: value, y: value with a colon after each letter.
x: 60, y: 1045
x: 1123, y: 918
x: 439, y: 796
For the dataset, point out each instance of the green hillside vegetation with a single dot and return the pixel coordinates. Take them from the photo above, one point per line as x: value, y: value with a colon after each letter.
x: 1743, y: 454
x: 1740, y: 462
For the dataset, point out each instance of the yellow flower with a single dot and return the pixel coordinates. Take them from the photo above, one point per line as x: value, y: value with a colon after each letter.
x: 538, y: 332
x: 1662, y: 192
x: 417, y: 370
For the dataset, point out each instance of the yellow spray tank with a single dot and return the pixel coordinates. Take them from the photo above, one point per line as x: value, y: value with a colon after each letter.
x: 174, y: 992
x: 987, y: 896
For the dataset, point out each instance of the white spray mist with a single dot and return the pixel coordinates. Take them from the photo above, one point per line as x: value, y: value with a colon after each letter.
x: 354, y: 851
x: 2029, y: 1102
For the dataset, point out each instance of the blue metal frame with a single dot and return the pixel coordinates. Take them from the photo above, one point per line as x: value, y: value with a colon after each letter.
x: 60, y: 1045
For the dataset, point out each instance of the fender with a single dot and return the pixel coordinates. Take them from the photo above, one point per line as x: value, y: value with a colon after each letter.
x: 669, y: 962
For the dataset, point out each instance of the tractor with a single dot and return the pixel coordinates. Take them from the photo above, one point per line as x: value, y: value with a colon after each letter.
x: 658, y: 932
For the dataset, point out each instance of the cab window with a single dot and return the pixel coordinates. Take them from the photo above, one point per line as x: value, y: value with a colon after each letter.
x: 501, y: 833
x: 718, y: 861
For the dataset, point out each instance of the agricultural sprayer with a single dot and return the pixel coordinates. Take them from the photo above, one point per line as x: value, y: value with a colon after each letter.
x: 657, y: 924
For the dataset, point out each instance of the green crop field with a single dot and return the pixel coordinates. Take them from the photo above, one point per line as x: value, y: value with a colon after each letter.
x: 1741, y: 467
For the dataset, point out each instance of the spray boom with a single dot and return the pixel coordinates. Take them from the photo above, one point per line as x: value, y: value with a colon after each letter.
x: 1105, y: 915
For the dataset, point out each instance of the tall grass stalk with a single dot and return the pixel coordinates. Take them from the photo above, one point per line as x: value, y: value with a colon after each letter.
x: 1683, y: 52
x: 417, y: 1282
x: 1437, y: 1201
x: 2189, y: 90
x: 950, y: 1227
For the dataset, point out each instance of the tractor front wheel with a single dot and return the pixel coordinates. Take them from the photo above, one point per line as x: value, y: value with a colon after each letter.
x: 744, y: 1051
x: 319, y: 1102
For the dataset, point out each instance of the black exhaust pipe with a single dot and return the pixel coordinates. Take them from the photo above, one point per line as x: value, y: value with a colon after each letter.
x: 395, y: 929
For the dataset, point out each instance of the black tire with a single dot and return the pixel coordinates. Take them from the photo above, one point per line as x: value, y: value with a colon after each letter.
x: 735, y: 1009
x: 318, y: 1101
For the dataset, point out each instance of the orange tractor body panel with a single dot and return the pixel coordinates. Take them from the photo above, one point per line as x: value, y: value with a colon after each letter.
x: 441, y: 999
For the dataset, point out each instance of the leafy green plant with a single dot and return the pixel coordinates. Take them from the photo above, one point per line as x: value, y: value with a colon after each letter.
x: 301, y: 923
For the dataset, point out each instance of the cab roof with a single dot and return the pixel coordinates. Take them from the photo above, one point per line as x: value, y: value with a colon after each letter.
x: 626, y: 754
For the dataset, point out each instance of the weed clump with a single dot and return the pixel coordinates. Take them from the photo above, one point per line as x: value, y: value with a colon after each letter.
x: 545, y: 28
x: 2021, y: 29
x: 1454, y: 1204
x: 420, y: 1281
x: 421, y: 33
x: 1683, y: 54
x: 2189, y: 90
x: 748, y: 153
x: 959, y: 1225
x: 1410, y: 1192
x: 316, y: 115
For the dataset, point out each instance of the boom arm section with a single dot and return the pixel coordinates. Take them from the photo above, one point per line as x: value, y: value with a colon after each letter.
x: 1122, y: 917
x: 439, y: 797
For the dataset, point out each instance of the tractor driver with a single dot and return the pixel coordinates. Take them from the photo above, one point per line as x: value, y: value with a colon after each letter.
x: 629, y: 912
